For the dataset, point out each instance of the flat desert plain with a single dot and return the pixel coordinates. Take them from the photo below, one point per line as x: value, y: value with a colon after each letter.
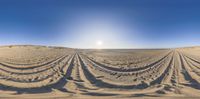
x: 40, y: 72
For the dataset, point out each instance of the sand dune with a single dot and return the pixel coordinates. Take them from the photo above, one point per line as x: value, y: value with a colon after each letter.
x: 56, y: 72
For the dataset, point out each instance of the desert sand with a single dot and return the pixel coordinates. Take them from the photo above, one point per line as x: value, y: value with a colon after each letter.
x: 42, y: 72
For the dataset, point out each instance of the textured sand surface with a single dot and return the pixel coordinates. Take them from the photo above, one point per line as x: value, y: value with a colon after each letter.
x: 57, y: 73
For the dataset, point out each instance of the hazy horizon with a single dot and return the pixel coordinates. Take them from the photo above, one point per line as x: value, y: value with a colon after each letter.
x: 104, y: 24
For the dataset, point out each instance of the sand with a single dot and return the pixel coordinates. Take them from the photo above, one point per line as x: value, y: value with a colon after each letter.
x: 41, y: 72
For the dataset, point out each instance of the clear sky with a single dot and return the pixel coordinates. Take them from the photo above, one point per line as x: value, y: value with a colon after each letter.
x: 100, y: 23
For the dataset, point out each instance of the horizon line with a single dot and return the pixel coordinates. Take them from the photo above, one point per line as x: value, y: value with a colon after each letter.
x: 98, y: 48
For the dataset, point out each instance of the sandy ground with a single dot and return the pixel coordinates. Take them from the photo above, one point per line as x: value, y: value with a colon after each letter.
x: 40, y: 72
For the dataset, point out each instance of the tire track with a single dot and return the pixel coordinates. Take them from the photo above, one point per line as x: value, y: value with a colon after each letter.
x: 187, y: 75
x: 127, y: 70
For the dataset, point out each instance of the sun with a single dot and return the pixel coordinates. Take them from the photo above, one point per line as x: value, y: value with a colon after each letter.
x: 99, y: 43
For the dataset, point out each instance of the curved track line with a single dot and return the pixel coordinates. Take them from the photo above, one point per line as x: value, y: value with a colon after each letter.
x: 128, y: 70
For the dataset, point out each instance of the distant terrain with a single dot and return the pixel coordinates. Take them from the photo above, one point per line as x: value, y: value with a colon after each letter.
x: 37, y: 72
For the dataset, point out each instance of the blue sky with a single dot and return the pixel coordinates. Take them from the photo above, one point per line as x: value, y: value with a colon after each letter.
x: 116, y: 23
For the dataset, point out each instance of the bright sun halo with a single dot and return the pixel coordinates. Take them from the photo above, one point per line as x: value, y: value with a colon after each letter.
x: 99, y: 43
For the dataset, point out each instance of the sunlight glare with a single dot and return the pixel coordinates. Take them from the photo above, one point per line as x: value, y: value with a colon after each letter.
x: 99, y: 43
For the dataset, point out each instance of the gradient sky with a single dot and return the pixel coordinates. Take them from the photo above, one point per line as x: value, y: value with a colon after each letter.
x: 116, y: 23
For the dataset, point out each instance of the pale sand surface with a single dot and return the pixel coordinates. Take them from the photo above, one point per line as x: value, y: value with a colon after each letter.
x: 35, y: 72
